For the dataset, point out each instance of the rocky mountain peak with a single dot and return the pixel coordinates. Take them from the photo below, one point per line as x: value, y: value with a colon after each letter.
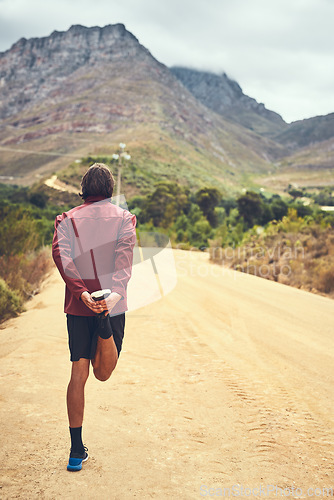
x: 214, y: 89
x: 33, y: 67
x: 225, y: 96
x: 77, y: 33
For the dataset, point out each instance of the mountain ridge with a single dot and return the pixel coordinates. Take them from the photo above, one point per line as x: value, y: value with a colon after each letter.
x: 33, y: 54
x: 79, y: 91
x: 225, y: 96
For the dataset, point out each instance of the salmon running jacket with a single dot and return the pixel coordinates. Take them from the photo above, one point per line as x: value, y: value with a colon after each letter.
x: 93, y: 249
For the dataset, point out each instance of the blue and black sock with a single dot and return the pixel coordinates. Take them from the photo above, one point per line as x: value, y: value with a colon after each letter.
x: 77, y: 447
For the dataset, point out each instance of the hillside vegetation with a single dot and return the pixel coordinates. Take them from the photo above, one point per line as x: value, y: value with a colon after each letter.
x: 297, y: 251
x: 277, y: 238
x: 26, y: 231
x: 284, y: 240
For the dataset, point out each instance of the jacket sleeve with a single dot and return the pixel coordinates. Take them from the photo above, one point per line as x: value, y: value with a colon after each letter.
x: 62, y: 256
x: 124, y: 254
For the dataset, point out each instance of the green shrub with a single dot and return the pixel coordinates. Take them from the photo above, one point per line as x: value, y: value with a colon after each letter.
x: 18, y: 232
x: 10, y: 303
x: 200, y: 233
x: 39, y: 199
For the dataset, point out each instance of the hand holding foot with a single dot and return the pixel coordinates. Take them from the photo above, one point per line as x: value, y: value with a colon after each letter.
x: 94, y: 306
x: 110, y: 302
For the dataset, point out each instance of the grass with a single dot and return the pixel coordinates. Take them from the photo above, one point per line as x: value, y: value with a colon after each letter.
x: 21, y: 278
x: 296, y: 252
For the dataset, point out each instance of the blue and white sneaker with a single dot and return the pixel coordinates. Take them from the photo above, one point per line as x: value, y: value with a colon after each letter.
x: 76, y: 459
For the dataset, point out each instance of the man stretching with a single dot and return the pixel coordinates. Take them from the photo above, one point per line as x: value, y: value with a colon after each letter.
x: 93, y: 250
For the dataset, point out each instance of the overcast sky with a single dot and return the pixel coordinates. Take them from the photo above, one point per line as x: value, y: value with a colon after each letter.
x: 279, y: 51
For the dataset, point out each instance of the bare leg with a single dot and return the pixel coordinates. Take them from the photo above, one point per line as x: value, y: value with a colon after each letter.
x: 75, y: 392
x: 105, y: 358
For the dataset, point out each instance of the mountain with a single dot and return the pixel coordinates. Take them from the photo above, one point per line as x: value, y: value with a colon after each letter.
x: 36, y: 69
x: 307, y: 132
x: 225, y: 96
x: 81, y: 92
x: 309, y: 144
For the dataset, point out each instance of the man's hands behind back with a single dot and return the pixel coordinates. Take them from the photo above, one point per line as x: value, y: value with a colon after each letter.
x: 98, y: 307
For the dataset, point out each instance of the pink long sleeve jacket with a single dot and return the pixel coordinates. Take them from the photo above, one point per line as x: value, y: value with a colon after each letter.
x: 93, y: 249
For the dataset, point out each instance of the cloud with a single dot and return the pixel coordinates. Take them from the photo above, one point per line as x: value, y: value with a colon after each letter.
x: 279, y: 51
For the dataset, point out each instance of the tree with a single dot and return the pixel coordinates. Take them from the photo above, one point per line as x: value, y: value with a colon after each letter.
x: 250, y: 207
x: 39, y: 199
x: 207, y: 199
x: 295, y: 193
x: 200, y: 232
x: 228, y: 204
x: 279, y: 208
x: 266, y: 215
x: 302, y: 210
x: 165, y: 204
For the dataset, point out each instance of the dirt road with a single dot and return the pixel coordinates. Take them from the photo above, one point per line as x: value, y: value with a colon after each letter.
x: 226, y: 381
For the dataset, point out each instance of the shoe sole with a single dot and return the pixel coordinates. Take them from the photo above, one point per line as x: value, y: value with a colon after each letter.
x: 76, y: 467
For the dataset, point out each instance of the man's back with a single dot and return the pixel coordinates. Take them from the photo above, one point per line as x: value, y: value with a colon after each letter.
x: 93, y: 248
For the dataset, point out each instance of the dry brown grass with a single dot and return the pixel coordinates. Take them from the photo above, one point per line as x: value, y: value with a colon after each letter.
x: 292, y: 252
x: 21, y: 278
x: 25, y: 273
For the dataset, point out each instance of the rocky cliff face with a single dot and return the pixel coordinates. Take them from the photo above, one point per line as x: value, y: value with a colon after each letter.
x: 225, y: 96
x: 34, y: 69
x: 81, y: 80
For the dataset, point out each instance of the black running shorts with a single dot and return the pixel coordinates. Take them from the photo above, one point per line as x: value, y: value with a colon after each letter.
x: 82, y: 339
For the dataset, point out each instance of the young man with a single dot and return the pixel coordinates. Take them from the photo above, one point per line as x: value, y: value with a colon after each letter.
x: 93, y: 250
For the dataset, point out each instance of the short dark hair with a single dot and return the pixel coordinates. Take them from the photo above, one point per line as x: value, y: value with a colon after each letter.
x: 97, y: 181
